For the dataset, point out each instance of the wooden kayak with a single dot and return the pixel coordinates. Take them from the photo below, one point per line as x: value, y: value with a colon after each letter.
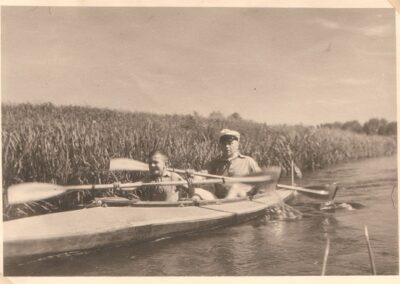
x: 135, y: 222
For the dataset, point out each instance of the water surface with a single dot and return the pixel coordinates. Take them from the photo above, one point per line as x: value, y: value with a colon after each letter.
x: 272, y: 245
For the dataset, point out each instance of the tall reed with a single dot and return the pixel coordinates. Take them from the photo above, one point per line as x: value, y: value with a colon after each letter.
x: 73, y: 145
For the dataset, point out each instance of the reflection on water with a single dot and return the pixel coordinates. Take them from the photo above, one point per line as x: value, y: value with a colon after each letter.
x: 288, y: 240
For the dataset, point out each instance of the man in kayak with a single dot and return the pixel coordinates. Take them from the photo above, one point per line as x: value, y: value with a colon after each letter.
x: 158, y: 172
x: 231, y: 164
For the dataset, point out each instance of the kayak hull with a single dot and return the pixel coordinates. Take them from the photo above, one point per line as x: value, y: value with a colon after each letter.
x: 106, y: 226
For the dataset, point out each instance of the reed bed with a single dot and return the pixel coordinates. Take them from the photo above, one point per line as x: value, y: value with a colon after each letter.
x: 73, y: 145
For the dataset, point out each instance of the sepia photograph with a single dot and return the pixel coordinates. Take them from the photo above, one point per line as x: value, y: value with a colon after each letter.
x: 194, y: 140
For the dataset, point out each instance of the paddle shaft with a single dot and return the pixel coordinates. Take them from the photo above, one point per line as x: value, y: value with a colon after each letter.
x: 167, y: 183
x: 196, y: 173
x: 27, y: 192
x: 291, y: 187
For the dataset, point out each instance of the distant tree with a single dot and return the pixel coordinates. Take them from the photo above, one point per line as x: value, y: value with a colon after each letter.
x: 382, y: 126
x: 235, y: 116
x: 374, y: 126
x: 371, y: 126
x: 353, y: 125
x: 216, y: 115
x: 325, y: 125
x: 391, y: 128
x: 333, y: 125
x: 337, y: 125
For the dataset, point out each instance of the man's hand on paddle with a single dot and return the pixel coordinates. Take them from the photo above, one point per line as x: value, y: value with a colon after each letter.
x: 191, y: 173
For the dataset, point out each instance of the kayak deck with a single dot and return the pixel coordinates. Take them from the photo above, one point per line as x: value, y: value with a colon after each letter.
x: 104, y: 226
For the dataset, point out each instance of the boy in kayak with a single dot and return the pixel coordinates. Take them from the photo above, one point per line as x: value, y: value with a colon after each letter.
x: 231, y: 164
x: 158, y: 172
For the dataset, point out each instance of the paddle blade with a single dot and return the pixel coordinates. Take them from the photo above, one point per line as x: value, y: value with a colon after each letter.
x: 273, y: 174
x: 330, y: 189
x: 123, y: 164
x: 34, y: 191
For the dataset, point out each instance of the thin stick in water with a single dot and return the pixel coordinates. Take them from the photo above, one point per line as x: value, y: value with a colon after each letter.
x: 371, y: 256
x: 391, y: 196
x: 292, y: 171
x: 325, y: 257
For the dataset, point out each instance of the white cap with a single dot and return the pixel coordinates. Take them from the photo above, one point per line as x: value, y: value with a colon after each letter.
x: 229, y: 132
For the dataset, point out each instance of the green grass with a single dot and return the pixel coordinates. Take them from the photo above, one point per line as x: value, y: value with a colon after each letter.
x: 73, y: 145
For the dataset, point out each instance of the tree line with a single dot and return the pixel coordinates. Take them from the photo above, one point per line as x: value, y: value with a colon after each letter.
x: 374, y: 126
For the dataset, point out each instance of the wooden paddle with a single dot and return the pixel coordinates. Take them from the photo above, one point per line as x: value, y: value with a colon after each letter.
x: 124, y: 164
x: 28, y: 192
x: 324, y: 192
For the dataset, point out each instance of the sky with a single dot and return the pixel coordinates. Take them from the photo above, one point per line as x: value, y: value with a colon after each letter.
x: 273, y: 65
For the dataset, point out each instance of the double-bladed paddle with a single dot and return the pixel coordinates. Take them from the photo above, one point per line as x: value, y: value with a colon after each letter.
x: 324, y: 192
x: 320, y: 192
x: 125, y: 164
x: 34, y: 191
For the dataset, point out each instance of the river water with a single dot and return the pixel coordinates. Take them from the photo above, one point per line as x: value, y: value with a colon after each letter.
x: 272, y: 245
